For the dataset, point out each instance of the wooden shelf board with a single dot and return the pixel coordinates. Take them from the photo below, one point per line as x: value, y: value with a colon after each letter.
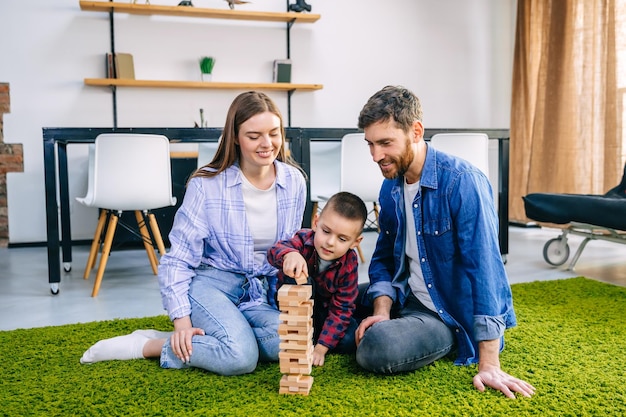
x: 124, y: 82
x: 147, y: 9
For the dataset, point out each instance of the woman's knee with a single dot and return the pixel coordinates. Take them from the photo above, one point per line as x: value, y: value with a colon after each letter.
x: 240, y: 364
x: 231, y: 359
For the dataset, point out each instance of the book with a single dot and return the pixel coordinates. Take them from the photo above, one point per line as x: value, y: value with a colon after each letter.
x: 282, y: 71
x: 123, y: 68
x: 109, y: 65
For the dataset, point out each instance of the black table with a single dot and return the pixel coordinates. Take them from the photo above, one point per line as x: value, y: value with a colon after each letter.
x: 56, y: 140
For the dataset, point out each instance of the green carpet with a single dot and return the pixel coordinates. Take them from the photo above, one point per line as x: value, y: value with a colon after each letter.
x: 569, y: 343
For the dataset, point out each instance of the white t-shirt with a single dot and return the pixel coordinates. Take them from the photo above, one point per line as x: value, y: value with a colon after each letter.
x: 416, y: 278
x: 261, y: 212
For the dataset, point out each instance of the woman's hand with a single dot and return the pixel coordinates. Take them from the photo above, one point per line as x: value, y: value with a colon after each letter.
x: 181, y: 338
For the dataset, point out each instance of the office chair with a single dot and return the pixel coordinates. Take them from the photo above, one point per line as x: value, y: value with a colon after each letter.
x: 325, y: 160
x: 358, y: 175
x: 206, y: 152
x: 127, y: 172
x: 473, y: 147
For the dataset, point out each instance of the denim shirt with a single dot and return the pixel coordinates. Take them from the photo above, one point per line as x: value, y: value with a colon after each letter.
x: 457, y: 236
x: 211, y: 228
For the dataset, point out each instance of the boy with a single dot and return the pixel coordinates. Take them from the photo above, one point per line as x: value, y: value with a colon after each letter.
x: 323, y: 256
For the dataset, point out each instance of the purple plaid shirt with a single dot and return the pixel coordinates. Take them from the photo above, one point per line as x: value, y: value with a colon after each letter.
x: 336, y: 289
x: 211, y: 227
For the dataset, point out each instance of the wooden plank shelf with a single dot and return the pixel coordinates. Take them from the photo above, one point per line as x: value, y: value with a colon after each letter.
x: 125, y: 82
x: 187, y: 11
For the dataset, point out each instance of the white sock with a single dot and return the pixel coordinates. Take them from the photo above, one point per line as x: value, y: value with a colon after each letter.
x: 117, y: 348
x: 153, y: 334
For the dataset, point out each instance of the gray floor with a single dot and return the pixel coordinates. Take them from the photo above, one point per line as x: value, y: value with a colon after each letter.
x: 130, y: 290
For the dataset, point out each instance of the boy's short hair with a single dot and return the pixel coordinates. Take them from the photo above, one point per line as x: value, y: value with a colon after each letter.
x: 347, y: 205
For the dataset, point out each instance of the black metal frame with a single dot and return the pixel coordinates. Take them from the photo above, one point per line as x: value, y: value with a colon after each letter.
x: 114, y: 88
x: 56, y: 140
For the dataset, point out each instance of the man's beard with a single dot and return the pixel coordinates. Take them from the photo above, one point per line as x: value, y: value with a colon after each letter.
x: 401, y: 164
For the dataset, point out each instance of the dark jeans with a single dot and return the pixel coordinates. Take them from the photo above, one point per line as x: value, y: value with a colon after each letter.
x: 413, y: 338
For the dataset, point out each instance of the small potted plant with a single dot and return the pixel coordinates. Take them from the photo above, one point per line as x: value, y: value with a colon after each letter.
x: 206, y: 67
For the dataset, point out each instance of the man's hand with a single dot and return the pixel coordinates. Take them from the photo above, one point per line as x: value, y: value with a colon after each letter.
x: 382, y: 312
x: 496, y: 378
x: 490, y: 374
x: 366, y: 324
x: 181, y: 338
x: 294, y: 266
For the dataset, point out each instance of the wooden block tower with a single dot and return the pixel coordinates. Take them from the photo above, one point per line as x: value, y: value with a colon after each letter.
x: 296, y: 339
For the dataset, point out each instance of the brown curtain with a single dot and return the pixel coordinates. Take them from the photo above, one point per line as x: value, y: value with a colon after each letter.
x: 566, y: 112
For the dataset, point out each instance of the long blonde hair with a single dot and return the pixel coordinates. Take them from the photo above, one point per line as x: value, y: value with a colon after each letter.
x: 245, y: 106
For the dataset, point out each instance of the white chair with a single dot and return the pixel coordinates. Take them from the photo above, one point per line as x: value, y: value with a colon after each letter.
x: 359, y: 174
x: 127, y: 172
x: 325, y: 159
x: 473, y: 147
x: 206, y: 152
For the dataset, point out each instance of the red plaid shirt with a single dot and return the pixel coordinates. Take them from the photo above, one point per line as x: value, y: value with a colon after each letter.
x: 336, y: 289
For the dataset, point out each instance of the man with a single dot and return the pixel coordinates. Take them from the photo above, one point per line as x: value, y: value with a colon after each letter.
x: 437, y: 280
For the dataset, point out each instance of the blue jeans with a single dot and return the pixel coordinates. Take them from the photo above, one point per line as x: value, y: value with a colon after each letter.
x: 234, y: 340
x: 416, y: 338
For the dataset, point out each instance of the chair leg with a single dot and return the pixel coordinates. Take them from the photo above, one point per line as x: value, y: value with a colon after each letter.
x: 106, y: 251
x: 313, y: 212
x: 147, y: 241
x: 376, y: 214
x: 156, y: 232
x: 360, y: 251
x: 97, y: 239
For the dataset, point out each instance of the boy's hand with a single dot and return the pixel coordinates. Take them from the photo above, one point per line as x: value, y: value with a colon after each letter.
x: 319, y: 352
x: 295, y: 266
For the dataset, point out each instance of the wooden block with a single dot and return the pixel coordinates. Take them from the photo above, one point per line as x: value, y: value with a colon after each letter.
x: 296, y: 345
x: 295, y: 367
x: 304, y: 309
x: 289, y: 301
x: 301, y: 280
x: 302, y: 355
x: 294, y: 294
x: 296, y: 338
x: 303, y: 385
x: 296, y: 384
x: 284, y: 328
x: 283, y: 390
x: 302, y: 291
x: 296, y: 321
x: 300, y: 381
x: 286, y: 333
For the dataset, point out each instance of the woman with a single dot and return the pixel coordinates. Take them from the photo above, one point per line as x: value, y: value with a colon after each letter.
x: 215, y: 278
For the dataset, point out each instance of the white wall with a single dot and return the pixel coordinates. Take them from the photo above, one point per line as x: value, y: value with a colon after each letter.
x: 455, y: 54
